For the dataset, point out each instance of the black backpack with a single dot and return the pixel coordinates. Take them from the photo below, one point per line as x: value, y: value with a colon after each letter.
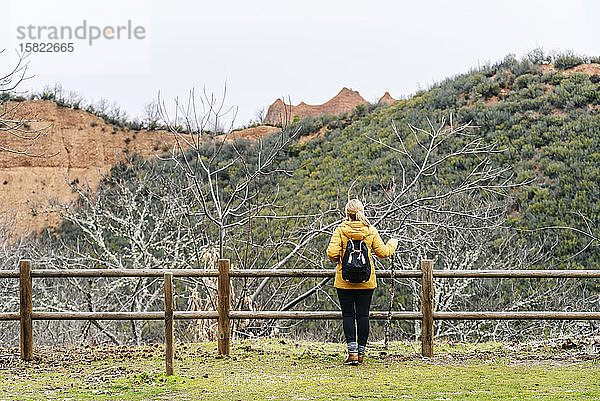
x: 356, y: 265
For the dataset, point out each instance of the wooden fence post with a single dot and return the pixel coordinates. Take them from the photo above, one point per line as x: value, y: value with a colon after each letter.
x: 168, y: 277
x: 427, y: 308
x: 224, y: 286
x: 26, y: 310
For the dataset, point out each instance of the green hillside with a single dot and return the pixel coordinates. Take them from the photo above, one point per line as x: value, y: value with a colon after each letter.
x: 546, y: 120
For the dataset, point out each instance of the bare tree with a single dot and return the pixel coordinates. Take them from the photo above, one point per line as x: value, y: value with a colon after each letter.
x: 259, y: 116
x: 101, y: 106
x: 137, y: 222
x: 17, y: 132
x: 461, y: 224
x: 224, y: 204
x: 151, y: 116
x: 13, y: 247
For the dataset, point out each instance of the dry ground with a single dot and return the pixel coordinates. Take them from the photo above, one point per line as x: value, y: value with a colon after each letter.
x: 290, y: 370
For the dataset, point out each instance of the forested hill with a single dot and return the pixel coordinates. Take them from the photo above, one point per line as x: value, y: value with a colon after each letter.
x: 541, y: 116
x: 545, y: 116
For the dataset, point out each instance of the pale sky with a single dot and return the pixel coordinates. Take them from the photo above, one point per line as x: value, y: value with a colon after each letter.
x: 306, y: 50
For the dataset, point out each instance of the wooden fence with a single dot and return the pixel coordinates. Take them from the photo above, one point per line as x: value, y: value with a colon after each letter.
x: 223, y: 314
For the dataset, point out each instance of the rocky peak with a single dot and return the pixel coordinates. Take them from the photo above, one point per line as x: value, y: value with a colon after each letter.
x: 387, y: 99
x: 346, y: 100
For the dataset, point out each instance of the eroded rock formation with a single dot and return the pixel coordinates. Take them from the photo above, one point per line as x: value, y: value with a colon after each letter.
x: 346, y: 100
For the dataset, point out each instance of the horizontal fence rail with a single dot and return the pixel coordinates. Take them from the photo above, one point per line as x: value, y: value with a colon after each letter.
x: 70, y: 273
x: 178, y: 315
x: 224, y: 315
x: 181, y: 315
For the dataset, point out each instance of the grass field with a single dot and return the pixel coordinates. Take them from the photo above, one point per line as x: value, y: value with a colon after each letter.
x: 290, y: 370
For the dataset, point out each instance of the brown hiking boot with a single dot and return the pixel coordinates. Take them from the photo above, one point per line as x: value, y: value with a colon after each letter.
x: 361, y: 358
x: 352, y: 358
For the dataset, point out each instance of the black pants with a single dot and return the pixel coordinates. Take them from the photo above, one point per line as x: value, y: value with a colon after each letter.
x: 355, y: 308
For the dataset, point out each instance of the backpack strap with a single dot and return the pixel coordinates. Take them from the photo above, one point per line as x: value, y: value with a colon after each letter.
x: 344, y: 239
x: 351, y: 242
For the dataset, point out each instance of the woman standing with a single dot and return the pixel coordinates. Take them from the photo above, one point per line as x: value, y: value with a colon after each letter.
x: 355, y: 298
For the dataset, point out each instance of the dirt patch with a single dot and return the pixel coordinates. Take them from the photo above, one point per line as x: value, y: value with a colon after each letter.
x: 589, y: 69
x: 57, y: 358
x: 252, y: 133
x: 492, y: 100
x: 525, y: 354
x: 319, y: 134
x: 547, y: 68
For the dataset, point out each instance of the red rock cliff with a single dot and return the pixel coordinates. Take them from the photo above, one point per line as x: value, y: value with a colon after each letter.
x: 346, y: 100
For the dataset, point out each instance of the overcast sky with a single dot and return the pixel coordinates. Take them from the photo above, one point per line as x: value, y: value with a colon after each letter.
x: 307, y: 50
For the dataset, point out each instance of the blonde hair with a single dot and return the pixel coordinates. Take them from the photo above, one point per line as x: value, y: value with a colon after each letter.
x: 356, y: 211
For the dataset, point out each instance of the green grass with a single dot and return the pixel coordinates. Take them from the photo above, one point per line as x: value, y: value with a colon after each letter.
x: 290, y: 370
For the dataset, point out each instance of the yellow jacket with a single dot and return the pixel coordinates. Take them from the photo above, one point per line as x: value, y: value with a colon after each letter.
x: 356, y: 230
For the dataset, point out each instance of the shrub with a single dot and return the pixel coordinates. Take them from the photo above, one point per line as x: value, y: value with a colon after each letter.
x: 524, y: 67
x: 360, y: 110
x: 592, y: 94
x: 594, y: 60
x: 537, y: 56
x: 135, y: 124
x: 552, y: 169
x: 568, y: 60
x: 503, y: 78
x: 487, y: 89
x: 335, y: 124
x: 525, y: 80
x: 557, y: 78
x: 509, y: 61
